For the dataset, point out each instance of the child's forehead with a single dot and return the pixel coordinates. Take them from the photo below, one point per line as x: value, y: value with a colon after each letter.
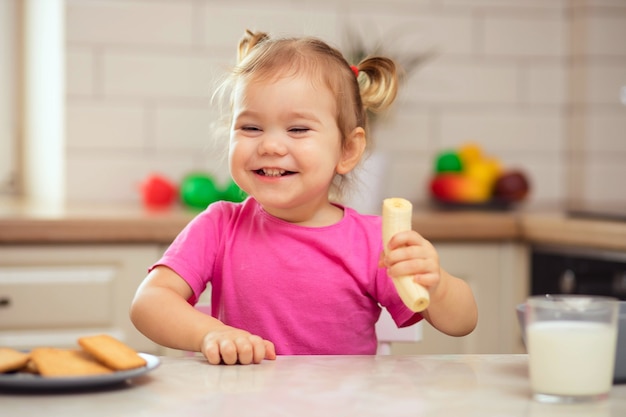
x: 284, y: 94
x: 275, y: 78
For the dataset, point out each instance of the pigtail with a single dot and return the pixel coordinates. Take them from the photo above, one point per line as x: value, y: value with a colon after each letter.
x: 248, y: 42
x: 378, y: 83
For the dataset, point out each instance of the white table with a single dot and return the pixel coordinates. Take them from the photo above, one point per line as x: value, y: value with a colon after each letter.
x: 321, y: 386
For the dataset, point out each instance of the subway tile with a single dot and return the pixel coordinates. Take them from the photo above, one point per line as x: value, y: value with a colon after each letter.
x: 178, y: 127
x: 606, y: 132
x: 606, y: 35
x: 405, y: 128
x: 408, y: 176
x: 377, y: 6
x: 407, y: 35
x: 224, y: 24
x: 99, y: 177
x: 150, y: 75
x: 462, y: 82
x: 498, y: 130
x: 80, y: 71
x: 117, y: 176
x: 604, y: 180
x: 547, y: 85
x: 105, y: 125
x: 606, y: 6
x: 536, y: 36
x: 604, y: 82
x: 130, y: 22
x: 514, y: 5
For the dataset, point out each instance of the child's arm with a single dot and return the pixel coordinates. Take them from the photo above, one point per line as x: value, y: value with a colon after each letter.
x: 452, y: 309
x: 160, y: 311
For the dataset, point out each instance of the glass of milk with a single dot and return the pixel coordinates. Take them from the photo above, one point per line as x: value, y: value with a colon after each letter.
x: 571, y: 341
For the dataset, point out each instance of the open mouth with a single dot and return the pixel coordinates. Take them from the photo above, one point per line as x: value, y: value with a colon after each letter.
x: 273, y: 172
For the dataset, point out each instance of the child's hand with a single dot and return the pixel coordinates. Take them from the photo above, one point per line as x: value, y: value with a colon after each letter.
x: 231, y: 345
x: 410, y: 254
x: 452, y: 308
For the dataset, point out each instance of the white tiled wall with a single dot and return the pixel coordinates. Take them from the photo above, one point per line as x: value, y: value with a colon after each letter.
x: 597, y: 122
x: 141, y: 72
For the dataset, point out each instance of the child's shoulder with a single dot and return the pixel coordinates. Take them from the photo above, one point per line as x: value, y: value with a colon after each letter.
x: 220, y: 211
x: 369, y: 221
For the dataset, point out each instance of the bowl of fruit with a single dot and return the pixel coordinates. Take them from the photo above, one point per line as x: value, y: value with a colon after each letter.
x: 468, y: 178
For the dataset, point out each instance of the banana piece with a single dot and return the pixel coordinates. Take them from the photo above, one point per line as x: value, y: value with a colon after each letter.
x: 397, y: 214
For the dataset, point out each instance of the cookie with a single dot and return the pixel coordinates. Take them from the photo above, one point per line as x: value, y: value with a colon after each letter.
x: 30, y: 368
x: 12, y: 360
x: 66, y: 362
x: 112, y: 352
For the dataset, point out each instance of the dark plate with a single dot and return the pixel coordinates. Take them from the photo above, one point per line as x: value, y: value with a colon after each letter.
x: 26, y: 381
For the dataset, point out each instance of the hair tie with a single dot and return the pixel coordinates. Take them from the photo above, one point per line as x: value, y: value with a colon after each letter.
x: 355, y: 70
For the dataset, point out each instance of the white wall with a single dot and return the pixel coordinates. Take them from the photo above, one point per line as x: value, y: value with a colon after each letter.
x: 8, y: 95
x: 140, y: 76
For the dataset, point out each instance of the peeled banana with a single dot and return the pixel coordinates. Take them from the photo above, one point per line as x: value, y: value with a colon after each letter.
x: 396, y: 218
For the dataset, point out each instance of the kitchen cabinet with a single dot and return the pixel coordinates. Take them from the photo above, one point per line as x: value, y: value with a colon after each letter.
x: 52, y: 294
x: 498, y: 274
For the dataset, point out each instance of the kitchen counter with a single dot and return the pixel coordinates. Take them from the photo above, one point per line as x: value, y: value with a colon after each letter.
x: 443, y: 385
x: 27, y: 223
x: 22, y: 223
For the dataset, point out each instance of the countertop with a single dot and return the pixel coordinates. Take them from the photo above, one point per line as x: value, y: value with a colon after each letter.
x: 24, y: 223
x: 443, y: 385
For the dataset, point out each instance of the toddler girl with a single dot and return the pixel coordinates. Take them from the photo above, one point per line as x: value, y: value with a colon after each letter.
x: 291, y: 270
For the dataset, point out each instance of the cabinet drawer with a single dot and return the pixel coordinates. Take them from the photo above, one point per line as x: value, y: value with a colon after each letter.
x: 43, y: 297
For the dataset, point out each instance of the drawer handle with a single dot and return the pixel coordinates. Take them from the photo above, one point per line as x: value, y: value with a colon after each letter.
x: 567, y: 282
x: 5, y: 302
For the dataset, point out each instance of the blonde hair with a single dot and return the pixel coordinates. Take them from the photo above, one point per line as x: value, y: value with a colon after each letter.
x: 374, y: 89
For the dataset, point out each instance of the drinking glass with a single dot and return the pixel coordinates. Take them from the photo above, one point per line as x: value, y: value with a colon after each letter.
x: 571, y: 342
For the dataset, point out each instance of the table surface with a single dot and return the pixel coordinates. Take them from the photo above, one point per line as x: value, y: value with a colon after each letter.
x: 442, y: 385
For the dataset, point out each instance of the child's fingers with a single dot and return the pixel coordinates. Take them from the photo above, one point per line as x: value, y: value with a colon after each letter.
x: 405, y: 238
x: 270, y: 350
x: 253, y: 349
x: 211, y: 352
x: 427, y: 279
x: 245, y: 350
x: 228, y: 351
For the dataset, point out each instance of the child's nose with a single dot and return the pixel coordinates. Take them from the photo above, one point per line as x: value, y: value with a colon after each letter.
x: 272, y: 144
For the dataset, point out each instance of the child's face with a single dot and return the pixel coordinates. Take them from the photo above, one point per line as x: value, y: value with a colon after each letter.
x: 285, y: 145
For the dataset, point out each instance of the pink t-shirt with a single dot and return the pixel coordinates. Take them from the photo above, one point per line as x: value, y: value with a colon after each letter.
x: 310, y: 290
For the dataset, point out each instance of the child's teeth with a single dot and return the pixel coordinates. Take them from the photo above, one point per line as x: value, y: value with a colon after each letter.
x: 273, y: 172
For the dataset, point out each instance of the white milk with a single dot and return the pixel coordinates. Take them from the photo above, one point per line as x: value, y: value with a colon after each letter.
x: 571, y: 357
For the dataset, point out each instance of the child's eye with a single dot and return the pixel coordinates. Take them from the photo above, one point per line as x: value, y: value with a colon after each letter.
x: 299, y: 129
x: 250, y: 128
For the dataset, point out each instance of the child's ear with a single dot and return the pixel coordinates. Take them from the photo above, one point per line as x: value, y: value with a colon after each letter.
x: 352, y: 151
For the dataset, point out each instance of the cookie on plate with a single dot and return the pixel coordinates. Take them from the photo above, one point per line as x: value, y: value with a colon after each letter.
x: 66, y: 362
x: 112, y: 352
x: 12, y: 360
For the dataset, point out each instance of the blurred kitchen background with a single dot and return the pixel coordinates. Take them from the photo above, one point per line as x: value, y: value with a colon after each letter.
x: 97, y: 95
x: 540, y: 84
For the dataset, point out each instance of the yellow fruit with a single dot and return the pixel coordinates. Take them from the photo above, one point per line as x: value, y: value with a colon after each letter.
x: 470, y: 153
x: 485, y: 171
x: 474, y: 191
